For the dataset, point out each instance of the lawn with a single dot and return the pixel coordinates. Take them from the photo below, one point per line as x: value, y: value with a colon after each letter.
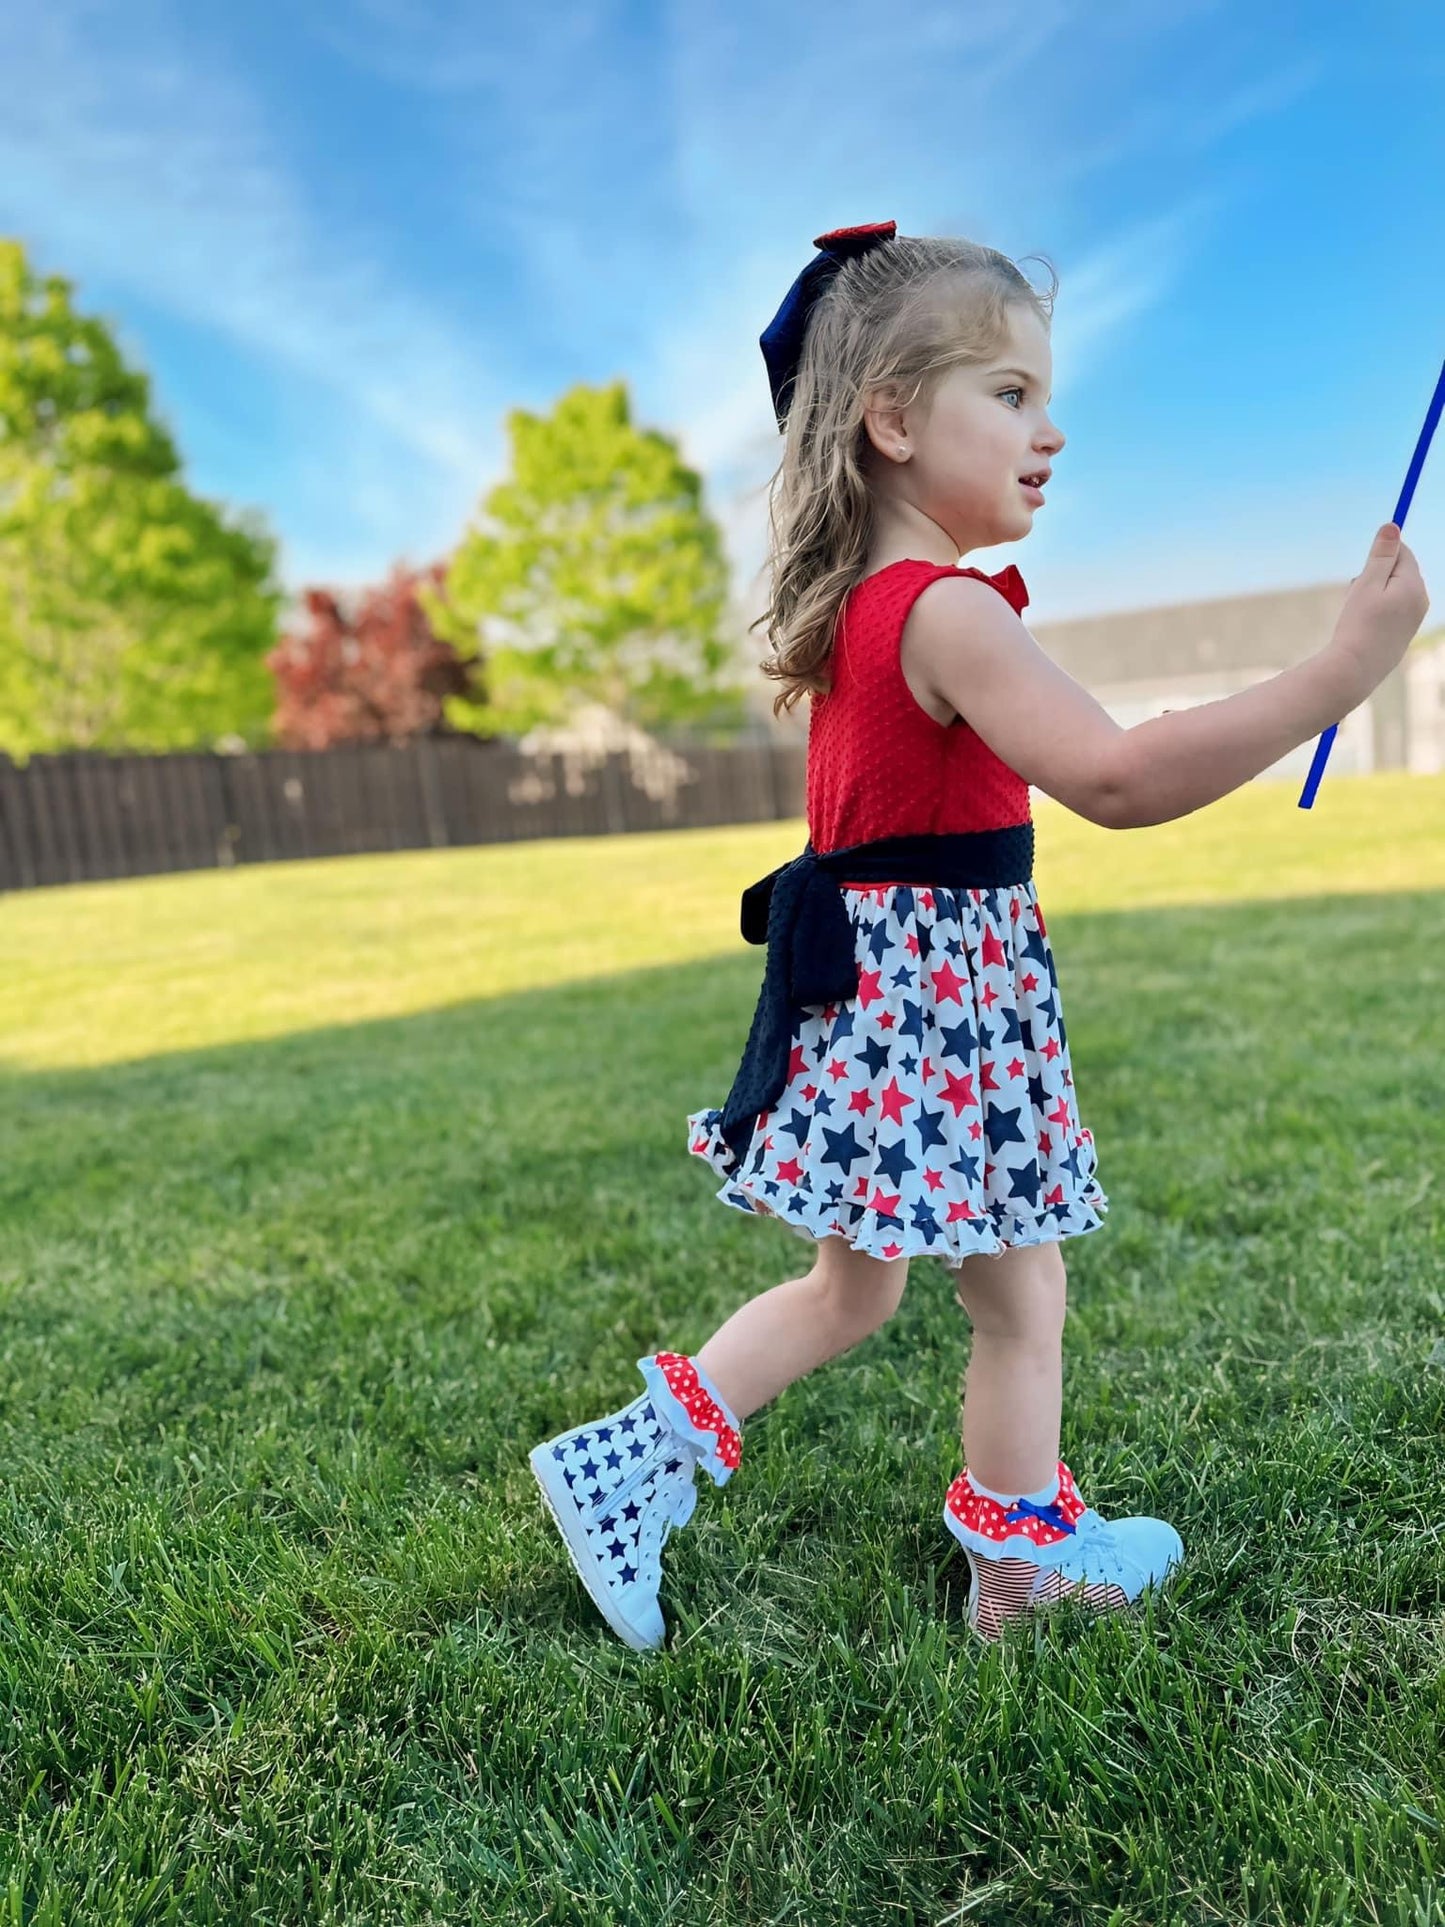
x: 329, y: 1188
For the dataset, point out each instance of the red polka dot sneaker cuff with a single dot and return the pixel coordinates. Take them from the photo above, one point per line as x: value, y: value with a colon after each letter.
x: 695, y: 1410
x: 1020, y: 1530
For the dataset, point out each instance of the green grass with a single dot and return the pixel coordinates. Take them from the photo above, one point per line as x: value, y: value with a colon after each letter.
x: 328, y: 1189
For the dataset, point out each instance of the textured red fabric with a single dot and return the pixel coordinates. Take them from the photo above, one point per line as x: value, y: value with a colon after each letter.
x: 878, y: 764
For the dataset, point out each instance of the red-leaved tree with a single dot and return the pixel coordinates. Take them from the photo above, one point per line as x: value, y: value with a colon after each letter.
x: 371, y: 670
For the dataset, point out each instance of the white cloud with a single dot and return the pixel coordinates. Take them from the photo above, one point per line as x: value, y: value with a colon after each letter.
x: 159, y: 173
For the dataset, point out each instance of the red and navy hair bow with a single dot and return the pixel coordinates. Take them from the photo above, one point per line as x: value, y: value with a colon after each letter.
x: 782, y: 340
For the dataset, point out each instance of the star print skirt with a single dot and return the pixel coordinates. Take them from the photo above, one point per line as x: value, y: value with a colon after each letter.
x: 934, y: 1114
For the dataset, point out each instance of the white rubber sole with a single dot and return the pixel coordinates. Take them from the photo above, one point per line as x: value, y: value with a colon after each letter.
x: 563, y: 1509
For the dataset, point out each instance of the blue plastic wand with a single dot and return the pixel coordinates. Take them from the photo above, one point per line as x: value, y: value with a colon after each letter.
x: 1437, y: 402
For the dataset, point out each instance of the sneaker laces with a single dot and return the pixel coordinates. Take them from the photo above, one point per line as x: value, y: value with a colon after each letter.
x: 1102, y: 1557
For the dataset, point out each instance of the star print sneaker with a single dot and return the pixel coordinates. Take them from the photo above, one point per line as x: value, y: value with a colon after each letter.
x: 618, y: 1487
x: 1024, y: 1555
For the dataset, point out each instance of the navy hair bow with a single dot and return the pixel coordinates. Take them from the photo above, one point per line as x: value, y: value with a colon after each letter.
x: 782, y: 340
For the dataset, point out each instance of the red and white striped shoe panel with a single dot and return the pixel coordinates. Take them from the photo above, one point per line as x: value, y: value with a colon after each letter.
x: 1008, y: 1589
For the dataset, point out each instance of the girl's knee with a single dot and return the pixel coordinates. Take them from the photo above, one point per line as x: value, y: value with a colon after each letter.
x: 862, y: 1292
x: 1020, y: 1294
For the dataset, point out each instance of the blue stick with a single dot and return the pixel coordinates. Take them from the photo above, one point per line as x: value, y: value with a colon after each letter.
x: 1437, y: 401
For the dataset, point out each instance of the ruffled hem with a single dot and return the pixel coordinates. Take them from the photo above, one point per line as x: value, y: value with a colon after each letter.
x: 816, y: 1219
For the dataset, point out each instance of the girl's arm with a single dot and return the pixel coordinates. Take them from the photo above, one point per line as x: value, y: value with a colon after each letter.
x: 970, y: 647
x: 1174, y: 764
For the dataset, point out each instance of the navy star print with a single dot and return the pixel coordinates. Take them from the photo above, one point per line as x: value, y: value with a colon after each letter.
x: 935, y: 1112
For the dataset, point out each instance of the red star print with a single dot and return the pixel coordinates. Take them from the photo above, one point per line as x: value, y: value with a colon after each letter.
x: 868, y: 986
x: 797, y: 1062
x: 1051, y: 1049
x: 993, y: 950
x: 986, y: 1082
x: 1015, y: 1067
x: 860, y: 1101
x: 957, y: 1091
x: 988, y: 997
x: 1061, y: 1115
x: 888, y: 1205
x: 789, y: 1171
x: 946, y: 983
x: 933, y: 1179
x: 892, y: 1100
x: 837, y: 1069
x: 1030, y: 982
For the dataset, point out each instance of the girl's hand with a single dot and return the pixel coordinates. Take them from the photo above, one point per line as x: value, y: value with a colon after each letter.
x: 1383, y: 610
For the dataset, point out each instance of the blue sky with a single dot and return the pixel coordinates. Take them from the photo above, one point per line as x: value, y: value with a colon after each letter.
x: 344, y: 240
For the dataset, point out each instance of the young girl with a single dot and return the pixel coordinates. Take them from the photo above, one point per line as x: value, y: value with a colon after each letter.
x: 906, y: 1089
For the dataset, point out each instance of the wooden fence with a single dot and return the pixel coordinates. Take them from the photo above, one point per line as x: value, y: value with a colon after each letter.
x: 84, y: 815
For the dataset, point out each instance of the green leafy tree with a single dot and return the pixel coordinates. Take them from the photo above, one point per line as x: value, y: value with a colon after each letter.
x: 132, y: 613
x: 594, y: 573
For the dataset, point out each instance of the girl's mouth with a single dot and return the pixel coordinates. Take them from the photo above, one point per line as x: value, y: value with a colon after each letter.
x: 1035, y: 495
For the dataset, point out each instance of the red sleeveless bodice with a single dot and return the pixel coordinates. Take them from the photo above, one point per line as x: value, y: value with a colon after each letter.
x: 878, y: 764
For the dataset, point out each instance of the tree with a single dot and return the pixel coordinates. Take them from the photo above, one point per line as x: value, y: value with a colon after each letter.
x: 594, y: 573
x: 132, y: 612
x: 373, y: 671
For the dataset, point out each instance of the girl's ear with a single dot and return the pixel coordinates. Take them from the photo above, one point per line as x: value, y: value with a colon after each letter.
x: 883, y: 421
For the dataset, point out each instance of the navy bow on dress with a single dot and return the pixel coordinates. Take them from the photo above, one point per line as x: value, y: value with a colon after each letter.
x: 782, y: 340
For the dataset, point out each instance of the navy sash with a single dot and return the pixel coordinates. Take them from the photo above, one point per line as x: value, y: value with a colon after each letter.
x: 799, y: 911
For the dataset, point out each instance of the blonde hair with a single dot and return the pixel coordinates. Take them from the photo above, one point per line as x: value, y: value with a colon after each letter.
x: 898, y: 316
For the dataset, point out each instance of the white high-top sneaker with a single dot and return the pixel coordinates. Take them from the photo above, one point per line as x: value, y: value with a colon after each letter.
x: 617, y: 1487
x: 1024, y: 1556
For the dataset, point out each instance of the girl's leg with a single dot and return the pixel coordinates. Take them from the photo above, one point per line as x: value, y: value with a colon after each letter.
x: 783, y: 1333
x: 1013, y: 1395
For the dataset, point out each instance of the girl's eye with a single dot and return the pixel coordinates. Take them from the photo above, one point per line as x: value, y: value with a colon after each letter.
x: 1010, y: 391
